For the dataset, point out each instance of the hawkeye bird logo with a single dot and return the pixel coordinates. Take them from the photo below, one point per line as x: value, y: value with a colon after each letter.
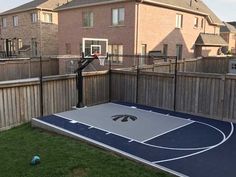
x: 124, y: 118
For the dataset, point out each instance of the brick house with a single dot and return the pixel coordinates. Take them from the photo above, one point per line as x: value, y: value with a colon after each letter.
x: 228, y: 33
x: 141, y: 26
x: 31, y: 29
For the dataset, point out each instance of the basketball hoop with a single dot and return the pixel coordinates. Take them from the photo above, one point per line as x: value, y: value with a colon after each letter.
x: 101, y: 60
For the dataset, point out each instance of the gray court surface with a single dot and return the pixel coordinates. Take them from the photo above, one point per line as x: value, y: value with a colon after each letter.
x: 148, y: 124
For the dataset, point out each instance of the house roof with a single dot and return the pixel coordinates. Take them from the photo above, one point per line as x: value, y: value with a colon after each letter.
x: 227, y: 28
x: 232, y: 23
x: 210, y: 40
x: 35, y: 4
x: 197, y: 6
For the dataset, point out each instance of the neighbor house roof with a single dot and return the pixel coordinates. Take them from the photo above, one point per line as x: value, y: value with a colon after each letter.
x: 194, y: 6
x: 35, y: 4
x: 210, y: 40
x: 232, y: 23
x: 227, y: 28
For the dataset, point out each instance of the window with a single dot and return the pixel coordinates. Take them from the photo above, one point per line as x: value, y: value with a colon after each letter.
x: 118, y: 16
x: 4, y: 22
x: 196, y: 22
x: 87, y: 19
x: 15, y: 21
x: 68, y: 48
x: 34, y: 17
x: 179, y: 21
x: 47, y: 17
x: 143, y: 54
x: 34, y: 47
x: 165, y: 50
x: 116, y: 50
x: 179, y: 51
x: 20, y: 43
x: 202, y: 23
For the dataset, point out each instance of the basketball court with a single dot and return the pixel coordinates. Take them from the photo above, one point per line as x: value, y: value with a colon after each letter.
x: 181, y: 144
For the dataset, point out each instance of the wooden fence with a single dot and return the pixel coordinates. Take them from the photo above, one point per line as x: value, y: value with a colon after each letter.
x: 206, y: 65
x: 12, y: 69
x: 209, y: 95
x: 20, y: 100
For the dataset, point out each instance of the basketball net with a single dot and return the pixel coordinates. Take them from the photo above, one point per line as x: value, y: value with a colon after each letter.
x: 101, y: 58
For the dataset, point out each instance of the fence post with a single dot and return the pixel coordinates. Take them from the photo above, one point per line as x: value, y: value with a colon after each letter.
x: 175, y: 82
x: 109, y: 78
x: 137, y: 79
x: 41, y: 87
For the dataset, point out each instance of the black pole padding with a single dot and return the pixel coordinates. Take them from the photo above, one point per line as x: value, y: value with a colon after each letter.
x: 41, y: 86
x: 175, y: 83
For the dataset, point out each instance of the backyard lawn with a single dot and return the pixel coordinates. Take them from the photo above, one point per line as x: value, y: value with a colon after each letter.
x: 61, y: 157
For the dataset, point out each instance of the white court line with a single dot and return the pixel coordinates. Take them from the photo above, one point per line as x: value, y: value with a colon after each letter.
x: 150, y: 145
x: 167, y: 132
x: 91, y: 127
x: 108, y: 133
x: 111, y: 149
x: 189, y: 149
x: 200, y: 152
x: 98, y: 128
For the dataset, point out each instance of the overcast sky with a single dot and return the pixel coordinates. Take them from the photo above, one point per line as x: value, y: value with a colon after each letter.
x: 224, y: 9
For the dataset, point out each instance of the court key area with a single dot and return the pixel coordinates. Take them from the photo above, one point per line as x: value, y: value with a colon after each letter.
x: 178, y: 143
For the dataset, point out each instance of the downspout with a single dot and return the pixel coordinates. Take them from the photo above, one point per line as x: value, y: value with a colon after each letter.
x: 137, y: 25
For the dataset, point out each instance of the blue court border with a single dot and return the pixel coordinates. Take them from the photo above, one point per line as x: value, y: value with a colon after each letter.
x: 193, y: 157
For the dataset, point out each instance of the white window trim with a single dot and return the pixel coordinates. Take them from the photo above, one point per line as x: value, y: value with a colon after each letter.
x: 91, y: 20
x: 15, y: 21
x: 179, y: 21
x: 118, y: 17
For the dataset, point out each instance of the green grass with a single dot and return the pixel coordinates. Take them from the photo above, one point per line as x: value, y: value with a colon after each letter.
x: 61, y: 157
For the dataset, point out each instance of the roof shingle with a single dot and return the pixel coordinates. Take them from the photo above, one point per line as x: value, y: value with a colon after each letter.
x: 197, y: 6
x: 210, y: 40
x: 36, y: 4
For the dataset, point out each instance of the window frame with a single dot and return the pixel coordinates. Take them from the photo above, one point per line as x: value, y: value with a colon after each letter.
x: 34, y: 17
x: 119, y: 19
x: 15, y: 21
x: 47, y: 20
x: 196, y: 22
x: 120, y: 51
x: 179, y: 21
x: 4, y: 22
x: 202, y: 23
x: 87, y: 15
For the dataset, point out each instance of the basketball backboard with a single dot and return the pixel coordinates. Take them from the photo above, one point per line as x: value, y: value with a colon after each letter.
x: 91, y: 46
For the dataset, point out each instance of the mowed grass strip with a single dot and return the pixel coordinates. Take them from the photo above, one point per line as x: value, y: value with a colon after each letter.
x: 61, y: 157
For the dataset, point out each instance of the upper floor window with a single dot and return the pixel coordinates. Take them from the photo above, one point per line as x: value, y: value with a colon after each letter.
x: 202, y: 23
x: 87, y: 19
x: 118, y: 16
x: 196, y: 21
x: 34, y: 17
x: 179, y: 21
x: 15, y: 21
x: 4, y: 22
x: 47, y: 17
